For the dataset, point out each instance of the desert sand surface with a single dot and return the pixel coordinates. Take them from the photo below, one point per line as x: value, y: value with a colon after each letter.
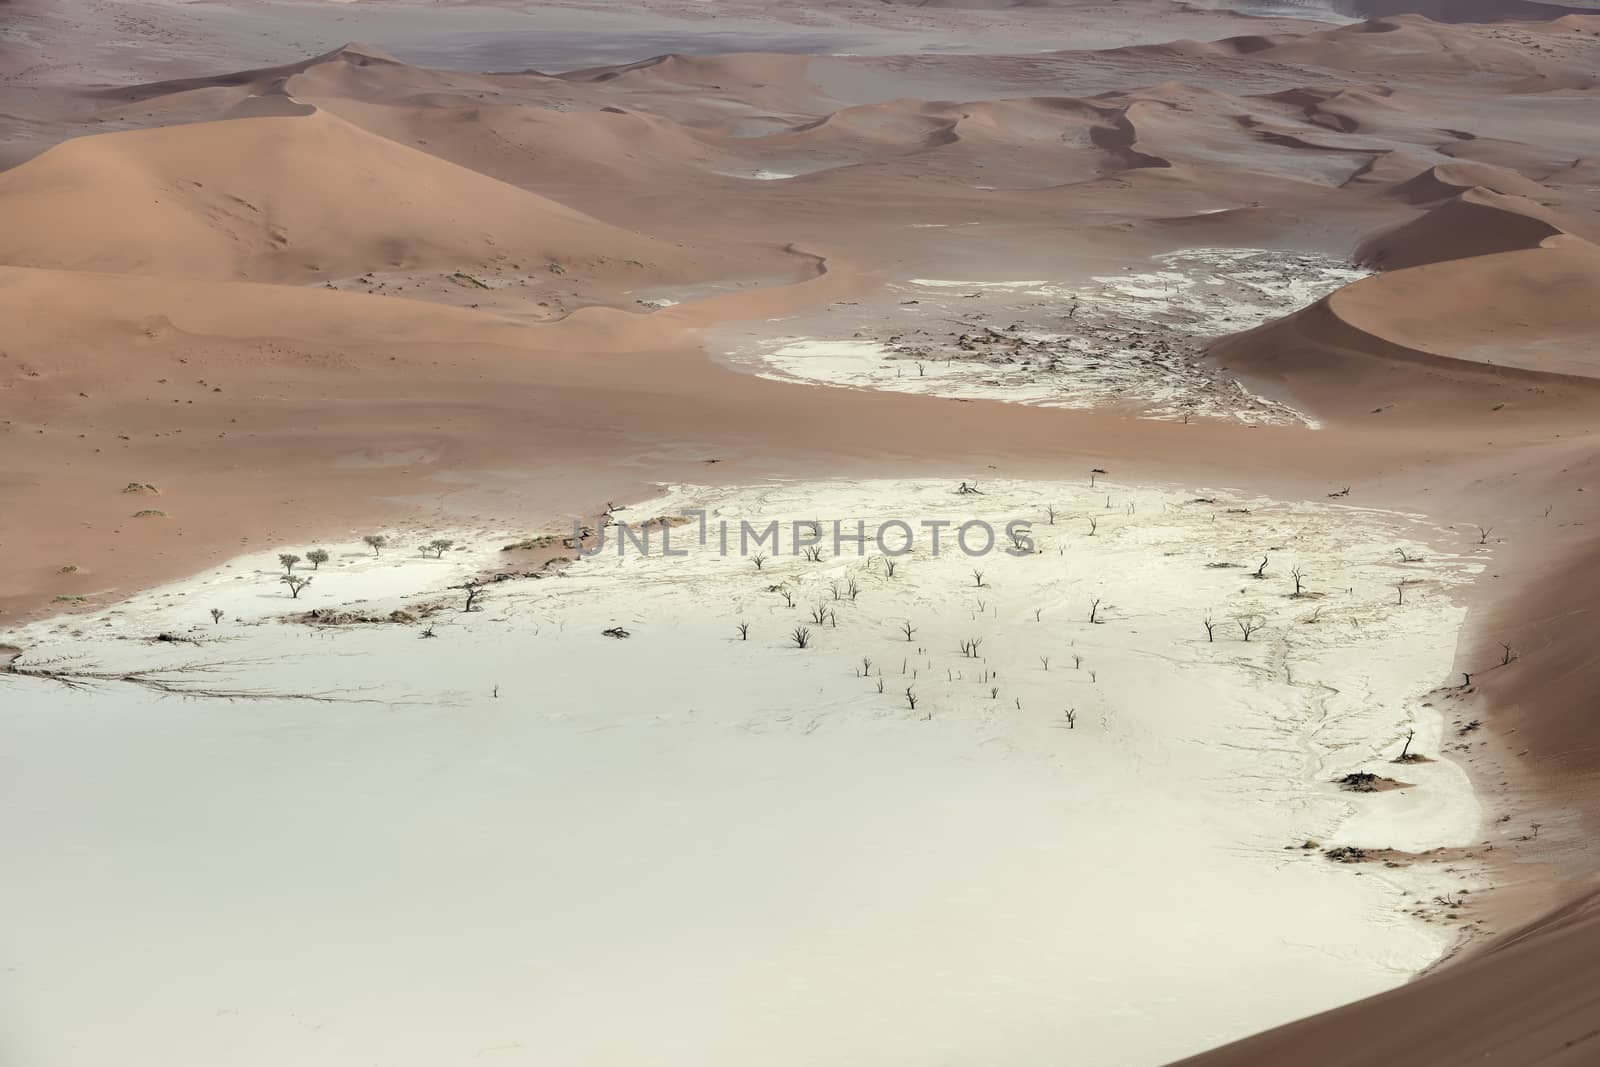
x: 1277, y: 317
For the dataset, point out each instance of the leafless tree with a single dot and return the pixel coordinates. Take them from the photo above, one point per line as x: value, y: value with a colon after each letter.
x: 911, y: 698
x: 907, y: 629
x: 1299, y: 580
x: 1508, y: 653
x: 1261, y: 571
x: 866, y: 667
x: 216, y: 615
x: 788, y: 597
x: 744, y: 631
x: 1407, y: 557
x: 801, y: 636
x: 1483, y: 534
x: 1050, y: 513
x: 889, y: 566
x: 473, y: 589
x: 1072, y: 718
x: 375, y: 542
x: 287, y: 560
x: 1211, y: 626
x: 1249, y: 624
x: 1094, y: 610
x: 969, y: 647
x: 758, y: 560
x: 1044, y: 661
x: 819, y: 614
x: 852, y: 589
x: 1094, y: 524
x: 295, y: 583
x: 813, y: 554
x: 977, y: 576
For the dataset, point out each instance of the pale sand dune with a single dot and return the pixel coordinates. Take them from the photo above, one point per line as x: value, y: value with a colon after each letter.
x: 744, y: 847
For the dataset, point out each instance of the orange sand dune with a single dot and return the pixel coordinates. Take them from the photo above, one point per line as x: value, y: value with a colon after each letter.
x: 1477, y: 331
x: 294, y: 199
x: 1478, y: 222
x: 1452, y: 179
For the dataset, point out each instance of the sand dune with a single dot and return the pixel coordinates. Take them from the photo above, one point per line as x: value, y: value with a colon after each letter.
x: 1449, y: 180
x: 1477, y: 222
x: 294, y: 199
x: 1457, y: 328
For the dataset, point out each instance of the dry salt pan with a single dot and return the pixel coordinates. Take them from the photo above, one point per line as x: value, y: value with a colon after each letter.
x: 982, y: 801
x: 1132, y: 340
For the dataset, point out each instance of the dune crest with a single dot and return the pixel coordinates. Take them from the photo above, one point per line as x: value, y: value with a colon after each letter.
x: 1477, y: 222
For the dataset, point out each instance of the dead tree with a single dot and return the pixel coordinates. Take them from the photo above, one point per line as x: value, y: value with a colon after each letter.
x: 978, y: 577
x: 1210, y: 626
x: 473, y: 589
x: 1299, y: 580
x: 801, y: 636
x: 888, y: 567
x: 1050, y: 513
x: 1508, y: 653
x: 907, y: 629
x: 1483, y: 534
x: 1407, y: 557
x: 1072, y: 718
x: 852, y: 589
x: 744, y: 631
x: 1094, y: 610
x: 216, y: 615
x: 1094, y: 524
x: 1261, y: 571
x: 1249, y: 625
x: 758, y: 560
x: 969, y: 490
x: 911, y: 698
